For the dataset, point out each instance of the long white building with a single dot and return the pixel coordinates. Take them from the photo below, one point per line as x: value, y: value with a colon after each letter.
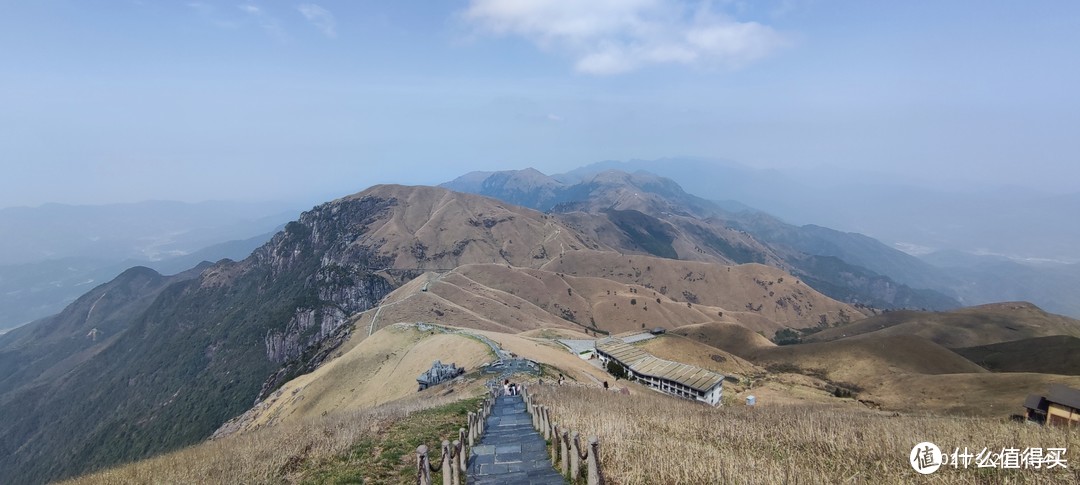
x: 674, y: 378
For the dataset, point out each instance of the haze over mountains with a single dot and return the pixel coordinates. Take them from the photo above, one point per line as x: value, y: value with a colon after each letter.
x: 924, y: 215
x: 55, y: 252
x: 964, y: 277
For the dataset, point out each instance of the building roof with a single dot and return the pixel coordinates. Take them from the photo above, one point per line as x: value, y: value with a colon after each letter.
x: 1064, y: 395
x: 621, y: 351
x: 643, y: 363
x: 1035, y: 402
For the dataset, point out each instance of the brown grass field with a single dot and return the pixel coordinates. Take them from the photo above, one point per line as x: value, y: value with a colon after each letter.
x: 1057, y: 354
x: 648, y: 438
x: 965, y: 327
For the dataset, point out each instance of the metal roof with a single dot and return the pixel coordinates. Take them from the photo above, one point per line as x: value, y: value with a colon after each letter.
x: 1064, y: 395
x: 643, y: 363
x: 621, y: 351
x: 1035, y: 402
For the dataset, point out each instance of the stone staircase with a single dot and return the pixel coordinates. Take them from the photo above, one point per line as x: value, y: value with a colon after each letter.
x: 511, y: 451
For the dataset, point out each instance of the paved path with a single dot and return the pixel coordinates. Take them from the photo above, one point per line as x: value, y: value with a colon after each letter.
x: 511, y: 451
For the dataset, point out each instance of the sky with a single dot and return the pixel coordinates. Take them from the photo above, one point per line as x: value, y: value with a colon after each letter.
x: 118, y: 101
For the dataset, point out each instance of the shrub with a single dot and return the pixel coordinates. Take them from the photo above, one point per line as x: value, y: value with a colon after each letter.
x: 616, y: 369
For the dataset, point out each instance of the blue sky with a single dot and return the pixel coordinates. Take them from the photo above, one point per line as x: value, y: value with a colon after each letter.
x: 131, y: 100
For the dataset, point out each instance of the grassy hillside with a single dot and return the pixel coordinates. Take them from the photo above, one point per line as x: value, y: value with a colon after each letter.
x: 966, y: 327
x: 649, y: 438
x: 870, y: 358
x: 904, y: 373
x: 753, y: 289
x: 642, y: 293
x: 733, y: 338
x: 363, y: 446
x: 366, y: 372
x: 688, y: 351
x: 1058, y: 354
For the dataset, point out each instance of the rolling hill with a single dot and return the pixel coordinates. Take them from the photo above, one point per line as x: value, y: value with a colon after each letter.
x: 966, y: 327
x: 1056, y: 354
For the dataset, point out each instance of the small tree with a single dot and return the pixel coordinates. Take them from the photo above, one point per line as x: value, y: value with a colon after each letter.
x: 616, y: 369
x: 786, y: 336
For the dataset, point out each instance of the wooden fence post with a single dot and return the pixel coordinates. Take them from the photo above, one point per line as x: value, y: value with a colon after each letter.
x: 594, y: 461
x: 446, y: 468
x: 575, y: 457
x: 564, y: 464
x: 547, y: 423
x: 455, y: 456
x: 423, y: 475
x: 460, y: 444
x: 555, y: 446
x: 472, y: 429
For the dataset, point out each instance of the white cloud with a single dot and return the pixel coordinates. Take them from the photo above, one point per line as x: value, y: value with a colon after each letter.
x: 268, y: 22
x: 320, y: 17
x: 251, y: 9
x: 614, y: 36
x: 554, y: 117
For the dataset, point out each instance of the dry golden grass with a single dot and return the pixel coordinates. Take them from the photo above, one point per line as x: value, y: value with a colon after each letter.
x: 314, y: 450
x: 682, y: 349
x: 373, y: 371
x: 775, y: 295
x: 612, y: 292
x: 431, y: 227
x: 651, y: 438
x: 965, y: 327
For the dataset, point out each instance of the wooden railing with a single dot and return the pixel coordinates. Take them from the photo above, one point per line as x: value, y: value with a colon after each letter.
x: 454, y: 458
x: 566, y: 449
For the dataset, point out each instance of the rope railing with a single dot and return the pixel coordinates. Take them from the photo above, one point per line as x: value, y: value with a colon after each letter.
x: 566, y: 453
x: 453, y: 462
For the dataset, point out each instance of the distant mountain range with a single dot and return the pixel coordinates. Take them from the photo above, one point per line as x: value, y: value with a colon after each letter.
x: 962, y: 277
x: 656, y: 216
x: 1014, y: 222
x: 54, y: 253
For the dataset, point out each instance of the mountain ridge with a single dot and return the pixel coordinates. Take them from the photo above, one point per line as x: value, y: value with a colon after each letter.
x: 655, y: 212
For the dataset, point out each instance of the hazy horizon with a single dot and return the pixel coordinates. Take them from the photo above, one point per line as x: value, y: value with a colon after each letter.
x: 258, y: 100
